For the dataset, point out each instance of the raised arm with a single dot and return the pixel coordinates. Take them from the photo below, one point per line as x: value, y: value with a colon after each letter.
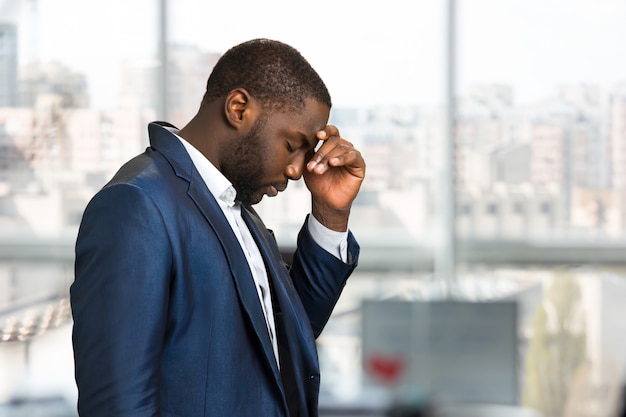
x: 334, y: 176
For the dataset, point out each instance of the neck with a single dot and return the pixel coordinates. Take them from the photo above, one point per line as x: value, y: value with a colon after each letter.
x: 203, y: 134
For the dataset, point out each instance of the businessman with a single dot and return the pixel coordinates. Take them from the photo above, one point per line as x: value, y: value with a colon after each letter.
x: 182, y: 304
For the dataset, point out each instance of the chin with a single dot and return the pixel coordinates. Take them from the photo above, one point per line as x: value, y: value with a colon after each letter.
x: 252, y: 200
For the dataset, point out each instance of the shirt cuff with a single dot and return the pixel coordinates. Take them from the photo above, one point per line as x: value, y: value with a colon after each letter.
x: 333, y: 242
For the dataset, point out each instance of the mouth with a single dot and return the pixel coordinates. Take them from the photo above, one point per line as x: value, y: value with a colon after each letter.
x: 281, y: 186
x: 274, y: 189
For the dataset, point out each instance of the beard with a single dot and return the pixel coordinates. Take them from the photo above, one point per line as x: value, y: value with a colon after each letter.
x: 243, y: 164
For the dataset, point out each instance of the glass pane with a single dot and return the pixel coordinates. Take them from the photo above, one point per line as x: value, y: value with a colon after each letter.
x: 77, y: 88
x: 540, y: 189
x: 540, y: 146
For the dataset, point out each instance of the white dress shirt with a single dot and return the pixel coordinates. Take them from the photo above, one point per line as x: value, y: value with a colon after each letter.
x: 333, y: 242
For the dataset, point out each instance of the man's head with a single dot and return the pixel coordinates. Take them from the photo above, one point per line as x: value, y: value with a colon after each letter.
x: 271, y: 103
x: 274, y: 73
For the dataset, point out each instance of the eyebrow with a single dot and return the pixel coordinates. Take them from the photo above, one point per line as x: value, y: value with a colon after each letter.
x: 306, y: 143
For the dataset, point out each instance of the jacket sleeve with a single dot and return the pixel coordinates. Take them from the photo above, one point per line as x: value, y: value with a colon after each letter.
x: 319, y: 277
x: 119, y: 303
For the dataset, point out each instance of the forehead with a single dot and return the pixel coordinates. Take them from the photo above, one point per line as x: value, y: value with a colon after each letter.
x: 308, y: 120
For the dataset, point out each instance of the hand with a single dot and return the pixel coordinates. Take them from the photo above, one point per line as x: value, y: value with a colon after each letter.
x: 333, y: 176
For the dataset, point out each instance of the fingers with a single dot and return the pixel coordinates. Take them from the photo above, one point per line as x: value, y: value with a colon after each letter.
x: 328, y: 132
x: 334, y: 152
x: 342, y: 154
x: 334, y: 176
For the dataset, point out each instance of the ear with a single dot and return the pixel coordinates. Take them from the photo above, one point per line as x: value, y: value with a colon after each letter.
x: 240, y: 109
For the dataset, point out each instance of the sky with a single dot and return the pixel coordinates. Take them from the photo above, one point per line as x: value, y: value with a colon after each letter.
x: 369, y: 53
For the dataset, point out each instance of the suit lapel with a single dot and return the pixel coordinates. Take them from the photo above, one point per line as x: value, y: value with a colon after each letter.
x: 168, y: 145
x: 300, y: 334
x: 298, y: 354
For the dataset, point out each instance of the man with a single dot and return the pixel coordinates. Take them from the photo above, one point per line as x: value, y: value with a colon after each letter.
x: 182, y: 304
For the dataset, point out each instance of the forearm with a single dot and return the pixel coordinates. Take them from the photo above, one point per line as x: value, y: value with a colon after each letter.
x: 319, y: 277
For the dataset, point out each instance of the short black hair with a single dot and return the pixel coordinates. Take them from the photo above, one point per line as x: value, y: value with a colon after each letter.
x: 274, y: 73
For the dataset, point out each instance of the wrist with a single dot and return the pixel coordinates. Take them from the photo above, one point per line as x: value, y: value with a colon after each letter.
x: 331, y: 218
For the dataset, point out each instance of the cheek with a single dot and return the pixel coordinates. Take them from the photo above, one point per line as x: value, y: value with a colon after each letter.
x: 277, y: 162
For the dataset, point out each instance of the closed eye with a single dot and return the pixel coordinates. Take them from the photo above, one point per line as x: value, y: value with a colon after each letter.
x: 302, y: 144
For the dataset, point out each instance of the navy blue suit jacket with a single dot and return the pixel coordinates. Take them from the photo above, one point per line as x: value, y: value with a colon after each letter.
x: 167, y: 320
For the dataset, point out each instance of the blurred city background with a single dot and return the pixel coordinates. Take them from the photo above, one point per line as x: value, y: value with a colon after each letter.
x: 494, y: 203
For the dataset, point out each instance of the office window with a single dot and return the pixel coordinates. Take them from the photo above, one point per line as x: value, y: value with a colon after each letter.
x: 76, y: 91
x: 537, y: 139
x: 540, y: 88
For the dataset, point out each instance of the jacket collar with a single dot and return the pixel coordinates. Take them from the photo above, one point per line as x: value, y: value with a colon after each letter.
x: 164, y: 141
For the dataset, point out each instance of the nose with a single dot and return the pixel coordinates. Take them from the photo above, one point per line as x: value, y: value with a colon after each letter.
x: 293, y: 171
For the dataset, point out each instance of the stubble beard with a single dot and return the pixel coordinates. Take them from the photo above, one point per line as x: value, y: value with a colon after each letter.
x: 243, y: 165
